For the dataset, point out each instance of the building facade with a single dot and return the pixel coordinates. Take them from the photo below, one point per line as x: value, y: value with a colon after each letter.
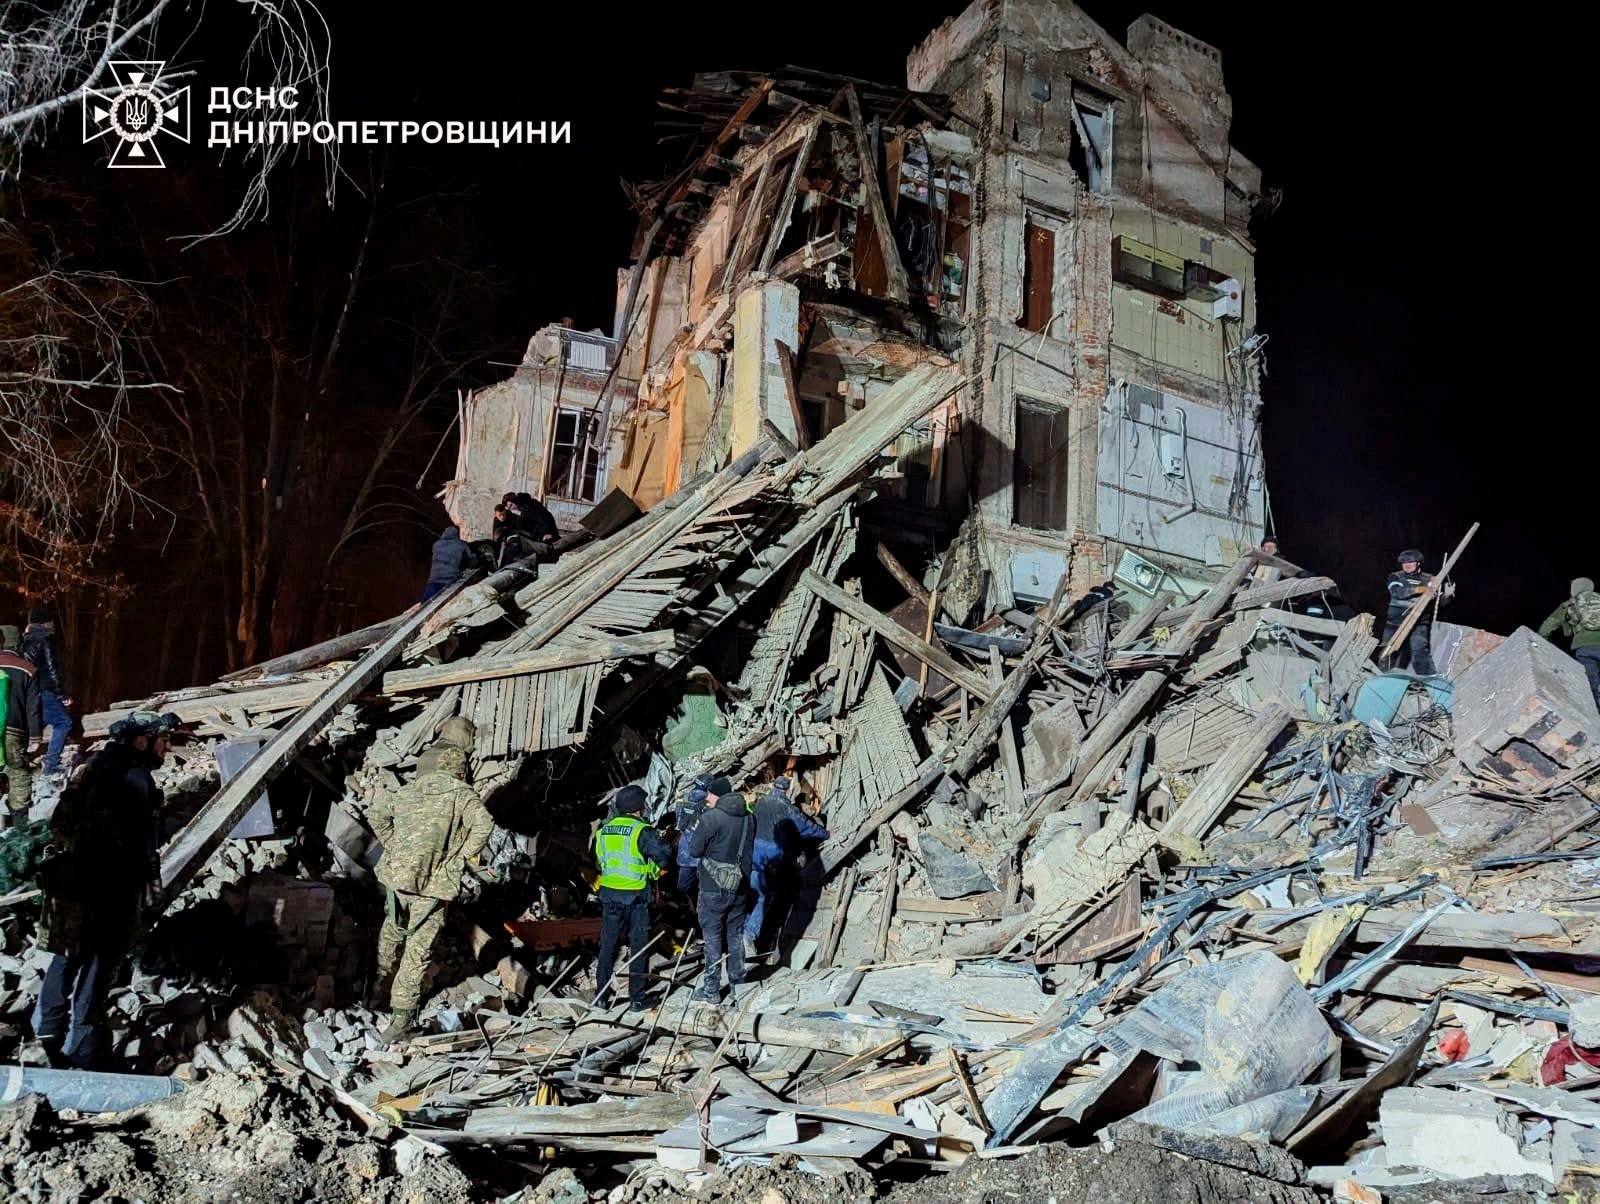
x: 1060, y: 213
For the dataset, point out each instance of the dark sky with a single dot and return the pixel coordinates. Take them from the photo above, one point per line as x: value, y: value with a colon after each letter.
x: 1403, y: 397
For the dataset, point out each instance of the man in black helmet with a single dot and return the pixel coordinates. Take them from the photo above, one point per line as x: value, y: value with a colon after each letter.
x: 1406, y: 585
x: 103, y: 870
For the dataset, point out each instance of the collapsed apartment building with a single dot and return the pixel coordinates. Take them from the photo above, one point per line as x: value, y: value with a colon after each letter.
x: 924, y: 465
x: 1061, y: 215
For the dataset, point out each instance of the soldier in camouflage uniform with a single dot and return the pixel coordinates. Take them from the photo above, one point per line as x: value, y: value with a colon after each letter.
x: 104, y: 870
x: 430, y: 829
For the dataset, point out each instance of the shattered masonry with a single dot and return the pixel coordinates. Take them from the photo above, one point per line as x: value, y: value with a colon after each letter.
x: 926, y: 468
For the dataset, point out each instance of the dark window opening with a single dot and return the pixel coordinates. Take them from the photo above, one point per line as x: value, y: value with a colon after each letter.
x: 1089, y: 156
x: 1152, y: 270
x: 1040, y: 467
x: 1038, y: 275
x: 562, y: 476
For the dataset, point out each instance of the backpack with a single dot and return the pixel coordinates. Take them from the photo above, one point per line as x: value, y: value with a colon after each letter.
x: 1584, y: 611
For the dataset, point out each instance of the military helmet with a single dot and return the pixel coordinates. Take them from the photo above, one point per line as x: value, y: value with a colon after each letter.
x: 459, y: 732
x: 1410, y: 554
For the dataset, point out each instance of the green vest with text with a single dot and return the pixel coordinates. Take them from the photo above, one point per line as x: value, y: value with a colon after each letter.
x: 616, y: 850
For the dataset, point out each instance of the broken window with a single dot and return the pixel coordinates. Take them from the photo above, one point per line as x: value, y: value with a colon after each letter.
x: 1090, y: 153
x: 1152, y: 270
x: 1038, y: 274
x: 566, y: 474
x: 1040, y: 466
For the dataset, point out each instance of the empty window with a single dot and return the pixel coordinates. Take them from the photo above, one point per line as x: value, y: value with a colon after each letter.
x: 1039, y: 467
x: 1038, y: 274
x: 566, y: 475
x: 1090, y: 154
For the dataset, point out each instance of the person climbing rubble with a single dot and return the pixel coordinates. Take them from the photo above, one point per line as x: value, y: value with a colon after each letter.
x: 1405, y: 586
x: 1578, y: 620
x: 630, y: 855
x: 102, y: 870
x: 430, y: 829
x: 722, y: 843
x: 24, y: 721
x: 453, y: 558
x: 780, y: 828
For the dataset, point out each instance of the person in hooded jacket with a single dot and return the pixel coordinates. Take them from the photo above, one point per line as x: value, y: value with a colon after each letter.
x: 721, y: 843
x: 453, y: 559
x: 781, y: 828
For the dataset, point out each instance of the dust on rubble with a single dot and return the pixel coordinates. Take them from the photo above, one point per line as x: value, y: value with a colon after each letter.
x: 231, y: 1137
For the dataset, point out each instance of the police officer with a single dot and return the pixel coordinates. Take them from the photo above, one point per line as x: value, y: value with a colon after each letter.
x: 721, y: 843
x: 630, y: 855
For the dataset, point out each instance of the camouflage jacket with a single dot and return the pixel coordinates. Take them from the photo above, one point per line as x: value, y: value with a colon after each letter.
x: 107, y: 820
x: 430, y: 828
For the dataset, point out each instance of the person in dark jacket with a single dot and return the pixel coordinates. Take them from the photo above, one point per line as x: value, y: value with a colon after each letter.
x: 689, y: 812
x: 781, y: 827
x: 24, y: 720
x: 630, y: 855
x: 452, y: 559
x: 1405, y: 586
x: 536, y: 518
x: 39, y: 646
x: 722, y: 842
x: 106, y: 870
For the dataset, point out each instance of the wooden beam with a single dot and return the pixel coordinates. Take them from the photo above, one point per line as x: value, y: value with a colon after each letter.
x: 1133, y: 631
x: 900, y: 573
x: 897, y: 635
x: 1225, y: 778
x: 894, y: 269
x: 336, y: 648
x: 407, y: 681
x: 1308, y: 623
x: 199, y: 838
x: 1261, y: 595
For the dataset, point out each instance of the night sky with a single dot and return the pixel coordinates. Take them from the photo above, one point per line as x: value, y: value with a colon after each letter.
x: 1402, y: 397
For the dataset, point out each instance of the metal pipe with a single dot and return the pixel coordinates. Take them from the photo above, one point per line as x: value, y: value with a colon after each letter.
x: 85, y: 1090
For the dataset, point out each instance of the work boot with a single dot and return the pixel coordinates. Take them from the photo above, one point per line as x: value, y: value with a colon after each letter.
x: 399, y: 1024
x: 705, y: 993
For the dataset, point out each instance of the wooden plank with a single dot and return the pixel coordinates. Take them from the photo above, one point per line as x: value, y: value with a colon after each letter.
x: 897, y: 635
x: 1261, y: 596
x: 201, y: 836
x: 1010, y: 761
x: 899, y: 286
x: 1307, y: 623
x: 900, y: 573
x: 1133, y: 631
x: 1226, y: 778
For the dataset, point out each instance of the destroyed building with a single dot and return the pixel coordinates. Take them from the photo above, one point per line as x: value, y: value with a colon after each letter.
x: 935, y: 413
x: 1060, y: 213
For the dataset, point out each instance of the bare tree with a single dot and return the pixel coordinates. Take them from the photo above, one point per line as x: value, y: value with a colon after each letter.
x: 55, y: 56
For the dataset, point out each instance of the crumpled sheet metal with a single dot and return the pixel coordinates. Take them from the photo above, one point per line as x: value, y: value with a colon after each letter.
x: 1256, y: 1035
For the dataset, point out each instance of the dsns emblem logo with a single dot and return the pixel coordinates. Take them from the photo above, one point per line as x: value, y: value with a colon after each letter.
x: 138, y: 113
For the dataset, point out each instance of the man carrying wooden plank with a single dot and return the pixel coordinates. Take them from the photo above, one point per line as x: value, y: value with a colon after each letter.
x: 1405, y: 586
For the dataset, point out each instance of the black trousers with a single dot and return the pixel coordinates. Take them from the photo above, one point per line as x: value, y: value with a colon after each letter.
x: 70, y: 1014
x: 624, y: 917
x: 1416, y: 653
x: 722, y: 928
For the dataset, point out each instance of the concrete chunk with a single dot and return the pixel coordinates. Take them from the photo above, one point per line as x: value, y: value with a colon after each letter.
x: 1453, y: 1134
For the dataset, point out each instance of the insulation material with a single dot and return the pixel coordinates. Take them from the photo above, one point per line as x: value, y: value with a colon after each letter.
x: 1255, y: 1033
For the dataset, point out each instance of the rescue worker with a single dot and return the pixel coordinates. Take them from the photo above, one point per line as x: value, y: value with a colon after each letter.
x: 1578, y: 619
x: 780, y: 827
x: 452, y: 559
x: 630, y: 855
x: 24, y: 722
x: 689, y: 813
x: 102, y: 870
x: 1405, y: 586
x: 430, y: 829
x: 39, y: 646
x: 1269, y: 545
x: 722, y: 843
